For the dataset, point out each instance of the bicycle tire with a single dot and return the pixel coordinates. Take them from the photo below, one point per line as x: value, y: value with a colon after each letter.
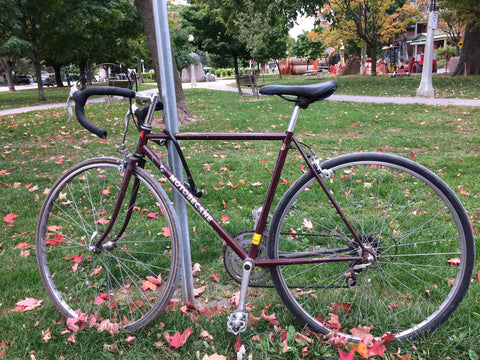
x: 407, y: 215
x: 132, y: 281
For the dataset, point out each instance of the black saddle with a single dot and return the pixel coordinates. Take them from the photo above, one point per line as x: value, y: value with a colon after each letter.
x: 305, y: 94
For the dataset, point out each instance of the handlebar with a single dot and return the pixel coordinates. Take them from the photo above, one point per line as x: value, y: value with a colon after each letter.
x: 80, y: 98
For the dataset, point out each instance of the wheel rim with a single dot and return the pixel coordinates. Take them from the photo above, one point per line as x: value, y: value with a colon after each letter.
x: 129, y: 282
x: 383, y: 292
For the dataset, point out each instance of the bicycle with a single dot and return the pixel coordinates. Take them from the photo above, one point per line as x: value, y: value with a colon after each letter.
x: 375, y: 239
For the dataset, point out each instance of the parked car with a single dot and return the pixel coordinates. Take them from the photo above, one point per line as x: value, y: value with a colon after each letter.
x: 24, y: 79
x: 48, y: 80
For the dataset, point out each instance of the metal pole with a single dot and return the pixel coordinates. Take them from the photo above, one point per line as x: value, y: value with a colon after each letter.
x: 426, y: 88
x: 162, y: 36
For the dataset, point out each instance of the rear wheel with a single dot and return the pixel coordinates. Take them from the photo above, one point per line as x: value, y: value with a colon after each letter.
x: 405, y: 215
x: 132, y: 279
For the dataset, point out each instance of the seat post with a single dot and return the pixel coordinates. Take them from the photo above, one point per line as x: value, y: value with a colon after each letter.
x: 294, y: 118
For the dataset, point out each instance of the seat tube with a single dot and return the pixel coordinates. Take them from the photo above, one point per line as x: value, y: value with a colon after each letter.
x: 293, y: 119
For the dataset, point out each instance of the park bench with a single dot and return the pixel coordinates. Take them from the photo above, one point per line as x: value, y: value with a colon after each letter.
x: 118, y: 83
x: 250, y: 80
x: 313, y: 74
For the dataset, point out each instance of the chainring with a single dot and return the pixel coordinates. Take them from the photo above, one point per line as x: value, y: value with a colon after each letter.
x: 233, y: 264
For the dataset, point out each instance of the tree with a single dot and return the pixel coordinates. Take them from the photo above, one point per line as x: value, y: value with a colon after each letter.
x: 308, y: 46
x: 145, y: 11
x: 203, y: 19
x: 450, y: 25
x: 12, y: 46
x: 469, y: 14
x: 372, y: 21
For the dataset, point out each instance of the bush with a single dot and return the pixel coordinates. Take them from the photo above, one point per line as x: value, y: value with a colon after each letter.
x: 149, y: 76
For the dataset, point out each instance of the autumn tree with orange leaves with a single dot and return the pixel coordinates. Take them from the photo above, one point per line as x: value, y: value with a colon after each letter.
x: 371, y: 22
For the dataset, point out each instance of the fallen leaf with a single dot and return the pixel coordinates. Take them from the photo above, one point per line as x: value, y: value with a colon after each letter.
x: 27, y: 304
x: 198, y: 291
x: 214, y: 356
x: 206, y: 335
x: 10, y: 218
x: 361, y: 349
x: 178, y: 340
x: 46, y: 335
x: 196, y: 268
x: 346, y: 356
x: 454, y: 261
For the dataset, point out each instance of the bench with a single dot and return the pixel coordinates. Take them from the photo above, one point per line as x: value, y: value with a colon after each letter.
x: 250, y: 80
x: 313, y: 74
x: 118, y: 83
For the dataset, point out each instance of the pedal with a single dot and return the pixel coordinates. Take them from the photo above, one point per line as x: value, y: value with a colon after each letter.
x: 237, y: 322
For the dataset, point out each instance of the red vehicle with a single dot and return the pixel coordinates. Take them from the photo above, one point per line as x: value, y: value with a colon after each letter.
x: 415, y: 64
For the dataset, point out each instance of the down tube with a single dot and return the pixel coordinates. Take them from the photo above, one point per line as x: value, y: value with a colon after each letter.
x: 192, y: 200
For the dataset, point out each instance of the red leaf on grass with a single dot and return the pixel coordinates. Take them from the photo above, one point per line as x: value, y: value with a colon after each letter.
x: 272, y: 319
x: 377, y: 349
x: 57, y: 240
x: 387, y: 338
x: 10, y: 218
x: 454, y: 261
x: 178, y: 340
x: 216, y: 277
x: 22, y: 245
x: 346, y: 356
x: 166, y: 231
x: 27, y: 304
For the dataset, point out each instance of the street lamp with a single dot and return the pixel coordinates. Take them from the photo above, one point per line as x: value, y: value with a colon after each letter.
x: 192, y: 67
x: 426, y: 88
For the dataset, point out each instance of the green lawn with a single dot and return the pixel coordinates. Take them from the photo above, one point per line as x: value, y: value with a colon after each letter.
x: 36, y: 147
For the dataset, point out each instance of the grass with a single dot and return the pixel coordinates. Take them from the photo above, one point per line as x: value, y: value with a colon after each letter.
x: 37, y: 147
x: 445, y: 86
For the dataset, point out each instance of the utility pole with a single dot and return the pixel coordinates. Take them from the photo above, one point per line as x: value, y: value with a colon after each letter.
x: 164, y: 49
x: 426, y: 88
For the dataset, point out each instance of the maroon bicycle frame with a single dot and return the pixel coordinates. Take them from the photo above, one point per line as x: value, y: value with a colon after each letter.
x: 286, y: 138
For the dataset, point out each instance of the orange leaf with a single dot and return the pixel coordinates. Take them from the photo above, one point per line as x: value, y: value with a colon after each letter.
x: 147, y: 285
x: 361, y: 349
x: 156, y: 281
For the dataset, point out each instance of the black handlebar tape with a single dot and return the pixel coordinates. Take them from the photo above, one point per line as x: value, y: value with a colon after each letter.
x: 80, y: 98
x: 141, y: 114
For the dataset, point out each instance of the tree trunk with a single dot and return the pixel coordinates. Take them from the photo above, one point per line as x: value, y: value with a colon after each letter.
x: 38, y: 74
x: 82, y: 65
x: 58, y: 75
x: 373, y: 55
x: 278, y: 67
x: 235, y: 64
x: 9, y: 65
x: 145, y: 11
x: 469, y: 63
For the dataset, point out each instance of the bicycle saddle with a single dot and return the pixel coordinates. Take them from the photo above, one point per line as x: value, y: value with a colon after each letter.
x: 306, y: 94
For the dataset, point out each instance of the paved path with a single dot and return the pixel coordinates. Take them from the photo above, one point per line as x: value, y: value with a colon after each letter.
x: 223, y: 85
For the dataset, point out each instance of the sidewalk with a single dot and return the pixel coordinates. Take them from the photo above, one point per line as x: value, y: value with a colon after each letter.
x: 223, y: 85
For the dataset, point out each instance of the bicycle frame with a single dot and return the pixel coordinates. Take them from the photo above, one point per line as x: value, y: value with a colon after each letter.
x: 287, y: 139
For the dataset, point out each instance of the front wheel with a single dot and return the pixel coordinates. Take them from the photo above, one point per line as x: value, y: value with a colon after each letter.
x: 132, y: 279
x: 405, y: 215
